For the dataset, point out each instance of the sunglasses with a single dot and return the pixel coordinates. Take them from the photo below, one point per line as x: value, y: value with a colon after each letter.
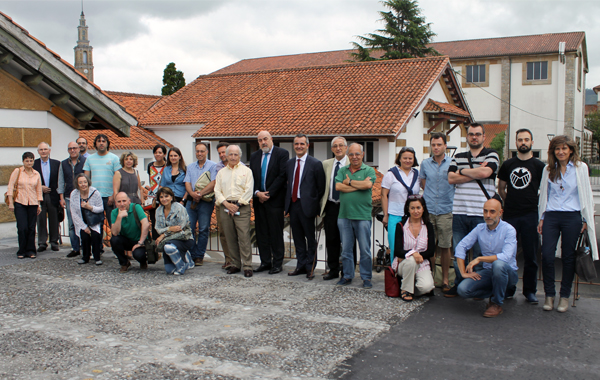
x: 414, y: 196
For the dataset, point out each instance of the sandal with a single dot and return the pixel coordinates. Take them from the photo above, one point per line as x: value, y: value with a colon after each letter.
x: 32, y: 256
x: 445, y: 288
x: 20, y: 257
x: 406, y: 296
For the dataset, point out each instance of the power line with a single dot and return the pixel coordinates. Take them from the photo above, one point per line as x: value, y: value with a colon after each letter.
x: 504, y: 101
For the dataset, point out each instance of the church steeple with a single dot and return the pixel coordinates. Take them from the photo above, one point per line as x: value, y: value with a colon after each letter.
x: 83, y: 51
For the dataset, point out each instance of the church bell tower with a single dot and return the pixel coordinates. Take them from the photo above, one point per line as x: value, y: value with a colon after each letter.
x: 83, y: 51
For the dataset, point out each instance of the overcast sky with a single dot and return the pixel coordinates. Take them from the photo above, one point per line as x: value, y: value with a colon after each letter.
x: 134, y: 40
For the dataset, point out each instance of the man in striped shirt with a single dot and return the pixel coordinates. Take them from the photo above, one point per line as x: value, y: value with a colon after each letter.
x: 474, y: 174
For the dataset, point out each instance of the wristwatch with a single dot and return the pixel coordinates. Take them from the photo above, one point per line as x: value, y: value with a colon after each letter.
x: 460, y: 172
x: 350, y: 182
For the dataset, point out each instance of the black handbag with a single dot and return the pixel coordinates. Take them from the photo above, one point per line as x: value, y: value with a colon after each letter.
x: 89, y: 217
x: 584, y: 263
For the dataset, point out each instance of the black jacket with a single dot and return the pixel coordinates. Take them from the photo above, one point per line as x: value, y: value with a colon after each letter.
x: 399, y: 250
x: 54, y: 168
x: 276, y: 175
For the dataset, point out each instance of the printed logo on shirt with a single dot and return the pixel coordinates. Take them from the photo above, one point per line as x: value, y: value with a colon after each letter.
x: 520, y: 178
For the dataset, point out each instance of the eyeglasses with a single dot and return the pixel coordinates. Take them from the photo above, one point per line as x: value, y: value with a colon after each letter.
x: 73, y: 148
x: 354, y: 154
x: 415, y: 196
x: 478, y: 134
x: 338, y: 146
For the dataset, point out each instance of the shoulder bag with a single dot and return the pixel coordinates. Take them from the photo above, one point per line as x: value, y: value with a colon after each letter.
x: 392, y: 286
x: 15, y: 189
x: 151, y: 252
x: 487, y: 195
x: 584, y: 263
x: 89, y: 217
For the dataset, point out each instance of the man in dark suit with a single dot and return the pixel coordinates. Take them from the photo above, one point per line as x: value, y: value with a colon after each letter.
x: 268, y: 170
x: 48, y: 218
x: 306, y: 186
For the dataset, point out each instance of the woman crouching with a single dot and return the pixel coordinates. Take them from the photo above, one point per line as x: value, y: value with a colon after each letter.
x: 173, y: 226
x: 415, y: 244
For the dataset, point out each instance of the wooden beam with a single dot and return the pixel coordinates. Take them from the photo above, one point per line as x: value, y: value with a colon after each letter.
x: 5, y: 58
x: 60, y: 99
x: 435, y: 126
x: 84, y: 116
x: 451, y: 129
x: 32, y: 80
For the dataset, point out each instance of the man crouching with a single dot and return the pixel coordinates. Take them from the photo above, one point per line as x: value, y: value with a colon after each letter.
x: 498, y: 278
x: 129, y: 232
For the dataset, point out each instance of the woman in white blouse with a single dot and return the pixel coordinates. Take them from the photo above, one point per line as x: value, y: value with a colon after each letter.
x: 86, y: 198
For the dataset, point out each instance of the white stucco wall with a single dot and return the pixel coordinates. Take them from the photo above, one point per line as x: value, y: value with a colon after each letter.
x: 485, y: 102
x: 181, y: 137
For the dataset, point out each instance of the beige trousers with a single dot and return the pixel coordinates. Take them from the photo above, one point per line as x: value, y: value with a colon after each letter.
x: 222, y: 235
x: 237, y: 234
x: 417, y: 283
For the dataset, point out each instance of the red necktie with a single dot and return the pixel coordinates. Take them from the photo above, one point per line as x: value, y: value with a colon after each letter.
x: 296, y: 183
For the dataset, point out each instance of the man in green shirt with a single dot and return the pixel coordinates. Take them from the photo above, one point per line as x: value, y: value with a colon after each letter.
x: 127, y: 233
x: 355, y: 184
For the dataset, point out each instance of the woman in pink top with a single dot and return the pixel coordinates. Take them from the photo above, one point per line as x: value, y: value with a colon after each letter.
x: 415, y: 245
x: 26, y: 206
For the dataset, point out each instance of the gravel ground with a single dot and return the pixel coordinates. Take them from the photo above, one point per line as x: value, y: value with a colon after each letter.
x: 60, y: 320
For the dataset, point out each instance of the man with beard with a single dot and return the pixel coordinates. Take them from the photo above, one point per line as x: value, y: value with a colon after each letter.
x: 82, y: 143
x: 519, y: 183
x: 474, y: 174
x: 268, y: 170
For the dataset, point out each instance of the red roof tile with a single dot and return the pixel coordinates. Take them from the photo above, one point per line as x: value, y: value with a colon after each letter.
x: 487, y: 47
x: 140, y: 139
x: 433, y: 106
x: 597, y: 89
x: 491, y: 130
x: 370, y: 98
x: 589, y: 108
x: 135, y: 104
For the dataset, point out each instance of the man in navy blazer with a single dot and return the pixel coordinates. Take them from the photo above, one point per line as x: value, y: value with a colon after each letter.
x: 306, y: 186
x: 48, y: 218
x: 268, y: 166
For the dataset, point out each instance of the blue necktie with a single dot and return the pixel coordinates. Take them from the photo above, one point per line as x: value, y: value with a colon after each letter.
x: 263, y: 173
x: 335, y: 194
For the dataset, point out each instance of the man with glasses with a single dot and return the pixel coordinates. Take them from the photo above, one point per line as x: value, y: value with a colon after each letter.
x: 69, y: 169
x: 47, y: 221
x: 439, y: 195
x: 474, y: 174
x: 82, y: 143
x: 355, y: 184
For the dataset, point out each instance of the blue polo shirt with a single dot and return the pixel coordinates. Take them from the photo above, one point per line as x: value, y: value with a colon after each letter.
x: 438, y: 193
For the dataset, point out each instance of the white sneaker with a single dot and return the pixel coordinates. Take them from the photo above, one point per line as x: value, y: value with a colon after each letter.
x: 98, y: 262
x: 563, y: 305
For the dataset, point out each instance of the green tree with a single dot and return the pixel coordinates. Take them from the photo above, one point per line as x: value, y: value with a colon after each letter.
x: 498, y: 143
x: 592, y: 122
x: 405, y: 34
x: 173, y: 80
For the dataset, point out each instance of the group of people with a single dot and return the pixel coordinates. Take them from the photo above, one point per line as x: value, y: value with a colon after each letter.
x: 459, y: 208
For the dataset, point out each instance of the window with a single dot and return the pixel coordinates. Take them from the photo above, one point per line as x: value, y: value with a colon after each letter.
x: 85, y: 57
x: 537, y: 70
x: 475, y: 73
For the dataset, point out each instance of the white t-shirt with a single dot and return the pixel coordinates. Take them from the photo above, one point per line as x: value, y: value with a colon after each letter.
x: 398, y: 193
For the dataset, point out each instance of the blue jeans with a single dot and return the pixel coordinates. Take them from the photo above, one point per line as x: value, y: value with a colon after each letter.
x: 494, y: 282
x: 526, y: 227
x: 566, y: 225
x: 352, y: 230
x: 177, y: 256
x: 72, y: 235
x: 393, y: 220
x: 200, y: 215
x: 461, y: 226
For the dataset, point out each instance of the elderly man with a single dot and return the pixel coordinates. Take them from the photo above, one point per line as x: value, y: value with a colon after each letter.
x: 48, y: 218
x: 233, y: 192
x: 268, y: 170
x: 129, y: 232
x: 69, y: 169
x: 222, y: 150
x: 355, y: 184
x: 200, y: 183
x: 498, y: 242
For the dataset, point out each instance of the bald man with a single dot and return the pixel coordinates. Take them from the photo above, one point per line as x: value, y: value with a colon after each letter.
x: 498, y: 278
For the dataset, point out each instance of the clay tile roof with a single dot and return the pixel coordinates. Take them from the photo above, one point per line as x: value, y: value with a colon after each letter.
x: 491, y: 130
x: 517, y: 45
x: 135, y: 104
x: 589, y: 108
x: 433, y: 106
x: 597, y: 89
x: 140, y: 139
x: 487, y: 47
x: 369, y: 98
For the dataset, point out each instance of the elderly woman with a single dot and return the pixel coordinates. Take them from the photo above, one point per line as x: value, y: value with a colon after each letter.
x: 566, y: 208
x: 27, y: 184
x: 415, y: 245
x: 127, y: 179
x: 174, y: 174
x: 173, y: 225
x: 397, y: 184
x: 87, y: 211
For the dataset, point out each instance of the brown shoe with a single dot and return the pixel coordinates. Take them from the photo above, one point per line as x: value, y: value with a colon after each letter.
x: 248, y: 273
x: 125, y: 268
x: 233, y: 270
x: 144, y: 266
x: 227, y: 265
x: 492, y: 310
x: 198, y: 261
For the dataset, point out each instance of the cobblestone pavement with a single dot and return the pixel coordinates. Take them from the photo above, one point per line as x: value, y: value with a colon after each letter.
x: 61, y: 320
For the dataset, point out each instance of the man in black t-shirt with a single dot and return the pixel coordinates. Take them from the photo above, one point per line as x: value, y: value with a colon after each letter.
x: 519, y: 182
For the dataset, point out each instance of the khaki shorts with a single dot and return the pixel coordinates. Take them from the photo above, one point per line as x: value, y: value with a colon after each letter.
x: 442, y: 226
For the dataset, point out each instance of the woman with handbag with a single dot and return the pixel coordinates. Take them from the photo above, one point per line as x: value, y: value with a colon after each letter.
x: 127, y: 179
x: 23, y: 197
x: 87, y: 211
x: 173, y: 225
x: 415, y: 245
x: 397, y: 184
x: 566, y: 209
x: 174, y: 174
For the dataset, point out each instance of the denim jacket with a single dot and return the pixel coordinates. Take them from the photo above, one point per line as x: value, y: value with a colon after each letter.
x: 178, y: 216
x: 178, y: 186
